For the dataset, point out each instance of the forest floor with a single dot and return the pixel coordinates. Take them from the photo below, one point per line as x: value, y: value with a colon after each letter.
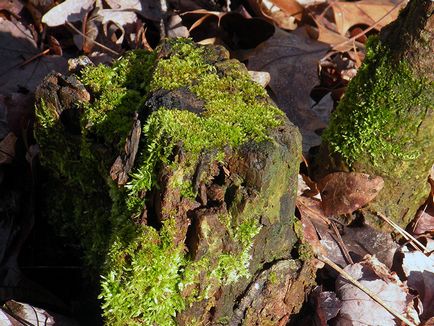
x: 304, y: 52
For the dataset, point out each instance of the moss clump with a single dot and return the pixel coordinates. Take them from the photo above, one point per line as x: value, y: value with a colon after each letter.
x: 118, y: 91
x: 236, y: 110
x: 146, y: 273
x: 380, y: 114
x: 144, y: 281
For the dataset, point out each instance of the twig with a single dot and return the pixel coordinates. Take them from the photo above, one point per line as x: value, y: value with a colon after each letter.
x: 19, y: 319
x: 352, y: 39
x: 356, y: 283
x: 341, y: 243
x: 405, y: 234
x: 87, y: 37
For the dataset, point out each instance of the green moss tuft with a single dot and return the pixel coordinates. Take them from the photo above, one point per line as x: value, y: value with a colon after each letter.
x: 118, y: 92
x: 380, y: 112
x: 144, y: 279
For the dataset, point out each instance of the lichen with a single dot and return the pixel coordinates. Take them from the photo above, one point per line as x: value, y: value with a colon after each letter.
x: 380, y: 114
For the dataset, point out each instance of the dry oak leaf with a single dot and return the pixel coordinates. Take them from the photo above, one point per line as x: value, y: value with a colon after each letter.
x: 419, y: 270
x: 359, y: 309
x: 345, y: 192
x: 69, y: 10
x: 7, y: 148
x: 364, y: 12
x: 292, y: 61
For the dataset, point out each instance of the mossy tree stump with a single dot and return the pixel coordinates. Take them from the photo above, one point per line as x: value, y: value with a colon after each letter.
x: 179, y: 176
x: 384, y: 125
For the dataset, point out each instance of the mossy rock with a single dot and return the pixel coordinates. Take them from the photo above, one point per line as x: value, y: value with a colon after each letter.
x: 179, y: 176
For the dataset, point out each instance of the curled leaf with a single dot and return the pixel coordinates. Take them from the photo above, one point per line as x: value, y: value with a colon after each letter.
x: 345, y: 192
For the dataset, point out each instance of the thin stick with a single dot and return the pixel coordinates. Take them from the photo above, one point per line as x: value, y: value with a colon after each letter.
x: 364, y: 289
x: 404, y: 233
x: 87, y: 37
x: 341, y: 243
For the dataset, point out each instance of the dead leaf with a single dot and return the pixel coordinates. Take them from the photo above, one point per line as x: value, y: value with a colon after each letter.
x: 292, y: 60
x: 424, y: 221
x: 314, y: 223
x: 149, y: 9
x: 90, y: 30
x: 291, y: 7
x: 16, y: 47
x: 359, y: 309
x: 55, y: 46
x: 365, y: 240
x: 364, y: 12
x: 12, y: 6
x: 14, y: 313
x: 324, y: 108
x: 175, y: 28
x: 7, y: 148
x: 233, y: 29
x: 69, y: 10
x: 345, y: 192
x: 419, y: 270
x: 323, y: 34
x: 285, y: 13
x: 19, y: 110
x: 327, y: 305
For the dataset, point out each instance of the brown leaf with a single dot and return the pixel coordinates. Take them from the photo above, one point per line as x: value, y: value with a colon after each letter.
x: 424, y: 221
x: 16, y: 47
x: 149, y: 9
x: 345, y: 192
x: 327, y: 305
x: 7, y: 148
x: 284, y: 13
x: 69, y: 10
x: 359, y: 309
x: 364, y: 12
x: 419, y: 270
x: 313, y: 222
x: 12, y: 6
x: 291, y: 7
x: 55, y: 47
x: 325, y: 35
x: 234, y: 29
x: 291, y: 59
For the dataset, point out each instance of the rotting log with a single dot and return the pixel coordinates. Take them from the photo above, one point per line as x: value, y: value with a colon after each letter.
x: 384, y: 125
x: 178, y: 175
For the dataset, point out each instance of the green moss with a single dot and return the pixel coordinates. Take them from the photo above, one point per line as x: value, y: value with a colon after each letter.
x: 273, y: 277
x: 118, y: 92
x: 379, y: 116
x: 143, y: 283
x: 236, y: 111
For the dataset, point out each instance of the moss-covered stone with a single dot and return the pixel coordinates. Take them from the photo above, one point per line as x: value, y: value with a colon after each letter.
x: 384, y: 126
x: 211, y: 187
